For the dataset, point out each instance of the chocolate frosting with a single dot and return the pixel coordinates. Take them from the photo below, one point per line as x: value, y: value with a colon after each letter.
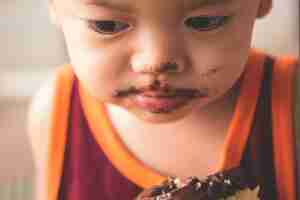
x: 216, y: 186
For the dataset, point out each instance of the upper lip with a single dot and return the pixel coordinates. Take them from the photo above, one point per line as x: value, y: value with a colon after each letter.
x: 168, y: 91
x: 157, y: 94
x: 173, y: 93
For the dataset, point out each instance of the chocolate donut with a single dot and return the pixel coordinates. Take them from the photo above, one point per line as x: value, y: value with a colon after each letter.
x: 226, y: 185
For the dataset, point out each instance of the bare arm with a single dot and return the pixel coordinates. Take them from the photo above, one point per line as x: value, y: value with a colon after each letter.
x: 38, y: 131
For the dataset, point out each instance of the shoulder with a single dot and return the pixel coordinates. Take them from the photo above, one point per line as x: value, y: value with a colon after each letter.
x: 287, y: 71
x: 38, y: 123
x: 287, y: 77
x: 287, y: 82
x: 39, y: 119
x: 41, y: 107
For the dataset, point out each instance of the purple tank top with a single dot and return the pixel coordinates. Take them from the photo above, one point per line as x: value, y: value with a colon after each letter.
x: 89, y: 175
x: 87, y: 172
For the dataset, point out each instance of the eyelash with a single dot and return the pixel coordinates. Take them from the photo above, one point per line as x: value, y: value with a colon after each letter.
x: 199, y: 23
x: 206, y: 23
x: 95, y: 25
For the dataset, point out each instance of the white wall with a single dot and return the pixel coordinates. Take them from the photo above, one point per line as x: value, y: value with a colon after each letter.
x: 30, y: 46
x: 27, y: 39
x: 278, y: 33
x: 29, y: 50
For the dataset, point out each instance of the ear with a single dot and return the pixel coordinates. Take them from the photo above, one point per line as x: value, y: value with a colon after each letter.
x: 53, y: 14
x: 264, y: 8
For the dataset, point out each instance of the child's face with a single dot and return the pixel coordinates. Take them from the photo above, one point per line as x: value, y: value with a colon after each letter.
x: 128, y: 43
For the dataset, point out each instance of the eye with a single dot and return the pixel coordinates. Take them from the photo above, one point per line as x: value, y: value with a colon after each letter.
x: 206, y: 23
x: 108, y: 26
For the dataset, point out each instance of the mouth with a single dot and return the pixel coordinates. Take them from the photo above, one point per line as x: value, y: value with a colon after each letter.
x: 162, y: 100
x: 173, y: 93
x: 160, y: 104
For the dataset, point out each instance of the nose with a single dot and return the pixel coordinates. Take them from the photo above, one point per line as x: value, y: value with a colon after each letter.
x: 159, y: 52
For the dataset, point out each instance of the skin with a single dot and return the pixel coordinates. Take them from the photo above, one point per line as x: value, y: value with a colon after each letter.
x: 212, y: 60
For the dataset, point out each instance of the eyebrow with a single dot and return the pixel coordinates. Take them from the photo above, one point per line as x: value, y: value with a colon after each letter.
x: 112, y: 4
x: 208, y: 3
x: 118, y: 5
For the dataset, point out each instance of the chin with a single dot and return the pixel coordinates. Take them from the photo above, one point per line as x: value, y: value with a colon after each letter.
x: 155, y: 117
x: 161, y: 117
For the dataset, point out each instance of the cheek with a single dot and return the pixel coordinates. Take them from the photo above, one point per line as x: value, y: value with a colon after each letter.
x: 219, y: 70
x: 226, y: 52
x: 219, y: 67
x: 98, y: 66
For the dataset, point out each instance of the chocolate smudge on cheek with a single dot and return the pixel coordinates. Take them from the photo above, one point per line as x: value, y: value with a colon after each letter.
x: 211, y: 72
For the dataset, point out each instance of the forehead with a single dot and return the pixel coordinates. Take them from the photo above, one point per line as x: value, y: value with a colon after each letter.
x: 167, y: 3
x: 199, y: 2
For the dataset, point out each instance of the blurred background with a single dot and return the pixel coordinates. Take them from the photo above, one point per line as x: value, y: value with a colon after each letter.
x: 32, y: 48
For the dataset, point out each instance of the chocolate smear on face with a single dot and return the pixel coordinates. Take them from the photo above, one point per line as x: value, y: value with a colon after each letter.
x: 166, y: 90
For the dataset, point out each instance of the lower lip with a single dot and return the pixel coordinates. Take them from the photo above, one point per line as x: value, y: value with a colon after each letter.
x: 160, y: 104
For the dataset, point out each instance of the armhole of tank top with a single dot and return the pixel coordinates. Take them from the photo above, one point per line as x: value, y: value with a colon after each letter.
x: 282, y: 117
x: 58, y: 128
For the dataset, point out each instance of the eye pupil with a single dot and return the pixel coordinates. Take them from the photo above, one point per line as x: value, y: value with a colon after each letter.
x: 106, y: 25
x: 109, y: 27
x: 205, y: 23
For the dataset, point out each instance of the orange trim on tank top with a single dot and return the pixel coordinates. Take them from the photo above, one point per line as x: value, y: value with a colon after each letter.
x: 144, y: 176
x: 58, y: 130
x: 283, y: 140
